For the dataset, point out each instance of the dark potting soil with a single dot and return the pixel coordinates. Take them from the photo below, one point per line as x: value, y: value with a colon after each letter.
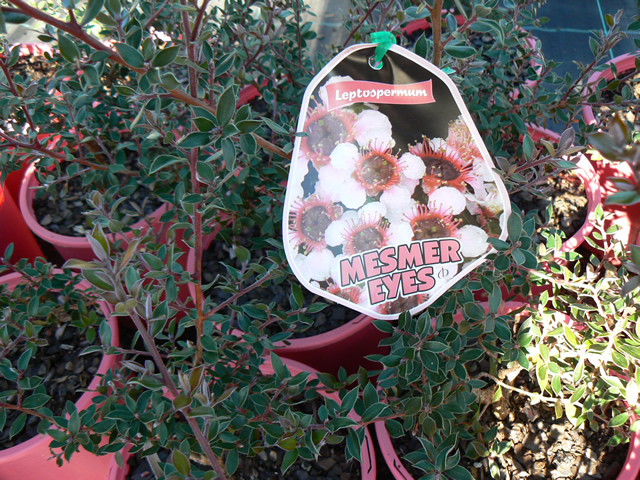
x: 331, y: 464
x: 567, y: 199
x: 64, y: 372
x: 63, y: 211
x: 332, y: 317
x: 545, y: 447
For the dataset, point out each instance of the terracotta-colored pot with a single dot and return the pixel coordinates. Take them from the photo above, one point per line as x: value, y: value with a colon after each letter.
x: 345, y: 346
x: 30, y: 460
x: 68, y: 247
x: 367, y: 465
x: 623, y: 63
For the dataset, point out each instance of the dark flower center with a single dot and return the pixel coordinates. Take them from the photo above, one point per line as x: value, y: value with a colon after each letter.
x: 402, y: 304
x: 367, y: 239
x: 325, y: 134
x: 377, y: 170
x: 430, y: 228
x: 314, y: 222
x: 441, y: 168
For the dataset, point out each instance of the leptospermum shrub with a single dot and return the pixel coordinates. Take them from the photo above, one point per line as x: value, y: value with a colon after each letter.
x: 170, y: 74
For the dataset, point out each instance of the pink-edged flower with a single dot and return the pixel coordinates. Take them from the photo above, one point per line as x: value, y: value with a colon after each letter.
x: 431, y: 223
x: 461, y: 140
x: 316, y: 265
x: 325, y: 130
x: 473, y: 241
x: 444, y: 166
x: 402, y: 304
x: 352, y: 294
x: 365, y: 234
x: 398, y: 201
x: 487, y: 201
x: 374, y: 127
x: 378, y: 170
x: 447, y: 199
x: 308, y: 221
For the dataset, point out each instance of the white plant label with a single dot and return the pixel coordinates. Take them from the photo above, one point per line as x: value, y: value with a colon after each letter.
x: 391, y: 195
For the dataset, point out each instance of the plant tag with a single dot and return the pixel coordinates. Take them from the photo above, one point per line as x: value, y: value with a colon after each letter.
x: 391, y: 194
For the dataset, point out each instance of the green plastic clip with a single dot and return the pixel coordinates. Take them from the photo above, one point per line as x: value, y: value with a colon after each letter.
x: 384, y: 41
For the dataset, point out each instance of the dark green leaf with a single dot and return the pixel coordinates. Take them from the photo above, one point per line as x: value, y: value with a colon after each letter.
x: 165, y: 56
x: 92, y: 10
x: 130, y: 55
x: 68, y: 49
x: 162, y: 161
x: 181, y: 462
x: 226, y: 107
x: 459, y: 51
x: 195, y: 139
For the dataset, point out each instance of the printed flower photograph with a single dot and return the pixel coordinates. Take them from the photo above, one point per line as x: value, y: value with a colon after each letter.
x: 356, y: 190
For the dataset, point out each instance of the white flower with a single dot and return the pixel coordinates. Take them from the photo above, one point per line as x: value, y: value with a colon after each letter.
x: 322, y: 91
x: 334, y: 234
x: 373, y: 127
x: 316, y: 265
x: 400, y: 233
x: 398, y: 201
x: 352, y: 193
x: 414, y: 166
x: 473, y: 241
x: 375, y: 209
x: 449, y: 199
x: 330, y: 182
x: 344, y: 157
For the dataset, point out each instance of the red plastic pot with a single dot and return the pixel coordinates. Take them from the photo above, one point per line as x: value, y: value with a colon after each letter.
x: 591, y: 180
x: 30, y: 460
x: 367, y: 454
x: 14, y: 230
x: 625, y: 217
x: 69, y: 247
x: 344, y: 346
x: 622, y: 63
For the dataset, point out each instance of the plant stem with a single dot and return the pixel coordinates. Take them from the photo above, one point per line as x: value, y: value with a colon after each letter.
x: 436, y: 28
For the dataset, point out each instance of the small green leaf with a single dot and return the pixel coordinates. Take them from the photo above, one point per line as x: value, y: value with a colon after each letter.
x: 231, y: 463
x: 195, y: 139
x: 527, y: 147
x: 68, y: 49
x: 92, y: 11
x: 162, y: 161
x: 165, y: 56
x: 130, y: 55
x: 181, y: 463
x: 618, y: 420
x: 278, y: 367
x: 459, y: 51
x: 169, y: 81
x: 289, y: 459
x: 226, y: 107
x: 514, y: 227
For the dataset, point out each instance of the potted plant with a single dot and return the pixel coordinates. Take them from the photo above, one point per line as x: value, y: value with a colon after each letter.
x: 190, y: 380
x: 50, y: 319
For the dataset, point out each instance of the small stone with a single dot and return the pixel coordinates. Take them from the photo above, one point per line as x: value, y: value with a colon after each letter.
x: 46, y: 220
x: 556, y: 432
x: 532, y: 442
x: 273, y: 455
x: 326, y: 464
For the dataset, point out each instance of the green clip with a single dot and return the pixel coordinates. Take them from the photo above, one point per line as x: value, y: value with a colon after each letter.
x: 384, y: 41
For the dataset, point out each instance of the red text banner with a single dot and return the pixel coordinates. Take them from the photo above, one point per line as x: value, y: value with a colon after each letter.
x: 340, y: 94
